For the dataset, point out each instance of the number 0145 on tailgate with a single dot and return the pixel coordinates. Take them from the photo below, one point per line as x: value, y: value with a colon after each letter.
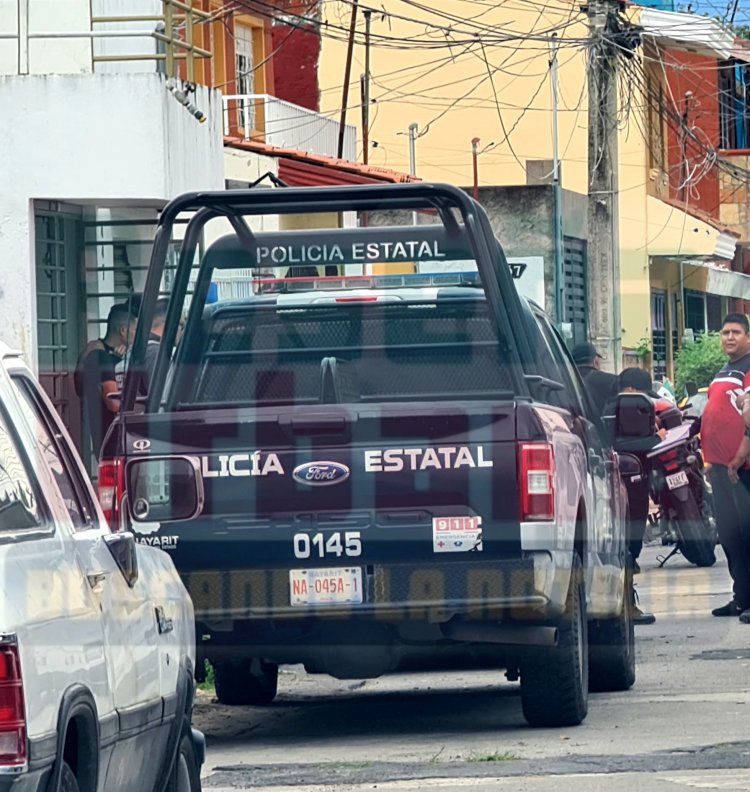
x: 326, y: 586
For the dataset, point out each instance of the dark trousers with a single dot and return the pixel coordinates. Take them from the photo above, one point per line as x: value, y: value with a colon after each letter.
x: 638, y: 514
x: 732, y: 511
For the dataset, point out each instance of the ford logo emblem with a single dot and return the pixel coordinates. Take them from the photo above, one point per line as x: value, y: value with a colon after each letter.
x: 320, y: 474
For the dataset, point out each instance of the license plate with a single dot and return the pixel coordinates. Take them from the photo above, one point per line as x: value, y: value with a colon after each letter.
x: 677, y: 480
x: 335, y: 586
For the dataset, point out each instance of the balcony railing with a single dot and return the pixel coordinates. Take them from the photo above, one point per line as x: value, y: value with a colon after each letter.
x: 169, y: 38
x: 286, y: 125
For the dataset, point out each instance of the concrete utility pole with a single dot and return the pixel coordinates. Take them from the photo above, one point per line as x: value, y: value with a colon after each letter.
x: 366, y: 92
x: 413, y: 128
x: 605, y: 323
x: 557, y: 195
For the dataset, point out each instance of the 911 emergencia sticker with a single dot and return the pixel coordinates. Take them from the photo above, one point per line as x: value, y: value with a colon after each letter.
x: 456, y: 534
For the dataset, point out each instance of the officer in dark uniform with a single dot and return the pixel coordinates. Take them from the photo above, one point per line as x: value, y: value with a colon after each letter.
x: 600, y: 385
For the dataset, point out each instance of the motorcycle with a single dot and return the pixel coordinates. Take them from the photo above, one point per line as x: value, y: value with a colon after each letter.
x: 684, y: 516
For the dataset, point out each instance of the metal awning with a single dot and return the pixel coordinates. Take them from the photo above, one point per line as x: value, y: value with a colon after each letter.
x: 723, y: 281
x: 701, y: 273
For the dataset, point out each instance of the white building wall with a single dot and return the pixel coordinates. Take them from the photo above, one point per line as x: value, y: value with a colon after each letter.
x: 64, y: 56
x: 91, y: 139
x: 46, y: 55
x: 56, y: 55
x: 8, y: 46
x: 127, y: 46
x: 244, y: 166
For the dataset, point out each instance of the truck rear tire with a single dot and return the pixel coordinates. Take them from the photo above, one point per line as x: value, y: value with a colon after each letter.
x: 612, y: 647
x: 555, y: 680
x: 248, y: 682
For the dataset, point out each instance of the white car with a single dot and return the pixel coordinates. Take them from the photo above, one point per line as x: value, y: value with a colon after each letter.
x: 97, y: 643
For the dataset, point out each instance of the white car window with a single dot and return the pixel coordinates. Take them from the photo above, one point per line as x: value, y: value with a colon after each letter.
x: 54, y: 454
x: 19, y: 508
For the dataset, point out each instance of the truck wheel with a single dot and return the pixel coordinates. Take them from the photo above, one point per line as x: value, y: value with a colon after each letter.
x: 697, y: 540
x: 554, y: 680
x: 185, y: 775
x: 612, y: 647
x: 68, y: 780
x: 250, y: 682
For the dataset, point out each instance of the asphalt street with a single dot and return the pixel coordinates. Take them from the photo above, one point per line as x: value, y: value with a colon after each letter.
x: 685, y: 724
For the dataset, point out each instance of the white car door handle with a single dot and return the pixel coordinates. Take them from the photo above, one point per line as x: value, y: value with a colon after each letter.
x: 95, y: 578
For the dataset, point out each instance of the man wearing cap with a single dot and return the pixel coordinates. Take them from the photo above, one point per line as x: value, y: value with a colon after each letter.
x: 600, y: 385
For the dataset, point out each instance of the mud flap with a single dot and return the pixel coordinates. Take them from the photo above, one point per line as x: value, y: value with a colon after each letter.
x: 184, y: 706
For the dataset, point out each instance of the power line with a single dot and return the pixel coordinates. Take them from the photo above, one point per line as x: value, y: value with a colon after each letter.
x: 340, y: 32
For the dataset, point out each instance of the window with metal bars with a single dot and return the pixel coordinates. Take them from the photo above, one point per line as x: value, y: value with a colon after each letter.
x: 659, y: 333
x: 575, y: 294
x: 245, y: 74
x: 734, y: 105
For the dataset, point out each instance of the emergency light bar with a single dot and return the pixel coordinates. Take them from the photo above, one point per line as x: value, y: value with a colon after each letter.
x: 337, y: 283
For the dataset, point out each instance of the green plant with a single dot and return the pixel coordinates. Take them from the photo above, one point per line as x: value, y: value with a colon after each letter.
x: 643, y: 350
x: 209, y: 683
x: 699, y: 361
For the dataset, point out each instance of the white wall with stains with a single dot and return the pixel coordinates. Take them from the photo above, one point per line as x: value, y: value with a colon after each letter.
x: 93, y: 139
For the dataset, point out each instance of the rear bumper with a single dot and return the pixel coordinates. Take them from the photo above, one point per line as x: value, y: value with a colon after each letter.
x: 535, y: 585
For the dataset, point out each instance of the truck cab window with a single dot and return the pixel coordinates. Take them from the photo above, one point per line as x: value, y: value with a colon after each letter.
x: 54, y: 456
x: 19, y: 508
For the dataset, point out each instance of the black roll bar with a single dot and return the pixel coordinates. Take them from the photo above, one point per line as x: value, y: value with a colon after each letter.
x: 504, y: 303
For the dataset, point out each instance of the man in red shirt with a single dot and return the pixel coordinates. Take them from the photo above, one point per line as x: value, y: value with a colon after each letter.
x: 722, y: 432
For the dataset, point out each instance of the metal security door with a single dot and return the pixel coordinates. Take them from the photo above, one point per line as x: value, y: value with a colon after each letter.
x: 59, y: 314
x: 575, y: 296
x: 659, y: 333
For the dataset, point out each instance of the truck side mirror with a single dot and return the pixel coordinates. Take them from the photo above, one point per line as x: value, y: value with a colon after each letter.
x: 123, y: 548
x: 164, y: 489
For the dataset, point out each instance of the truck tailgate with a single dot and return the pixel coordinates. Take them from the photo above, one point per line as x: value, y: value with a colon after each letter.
x: 414, y: 484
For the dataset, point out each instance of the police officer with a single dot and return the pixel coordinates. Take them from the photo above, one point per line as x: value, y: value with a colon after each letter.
x: 600, y: 385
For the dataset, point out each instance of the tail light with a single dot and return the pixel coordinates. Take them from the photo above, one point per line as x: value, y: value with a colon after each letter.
x: 668, y: 460
x: 536, y: 481
x: 13, y: 751
x: 111, y: 490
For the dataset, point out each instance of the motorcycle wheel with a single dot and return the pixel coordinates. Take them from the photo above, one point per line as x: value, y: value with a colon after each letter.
x: 696, y: 534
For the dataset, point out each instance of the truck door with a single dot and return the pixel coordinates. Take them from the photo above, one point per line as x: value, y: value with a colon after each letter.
x: 126, y: 613
x: 600, y: 457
